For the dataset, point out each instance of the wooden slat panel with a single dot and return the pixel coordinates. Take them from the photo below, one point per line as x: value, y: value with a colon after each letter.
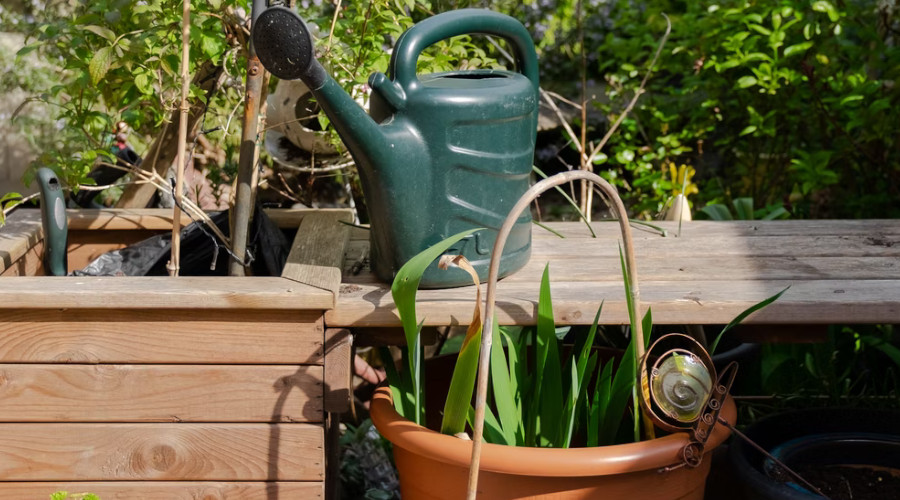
x: 85, y: 246
x: 672, y: 302
x: 28, y: 264
x: 21, y: 232
x: 165, y: 336
x: 160, y: 218
x: 338, y: 370
x: 701, y: 229
x: 160, y: 393
x: 318, y: 251
x: 700, y: 268
x: 162, y: 293
x: 725, y: 246
x: 697, y: 267
x: 168, y: 490
x: 183, y: 452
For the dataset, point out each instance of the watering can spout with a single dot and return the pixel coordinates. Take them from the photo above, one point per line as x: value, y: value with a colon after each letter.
x: 285, y: 48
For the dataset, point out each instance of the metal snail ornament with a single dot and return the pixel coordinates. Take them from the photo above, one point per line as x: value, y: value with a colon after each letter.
x: 680, y: 390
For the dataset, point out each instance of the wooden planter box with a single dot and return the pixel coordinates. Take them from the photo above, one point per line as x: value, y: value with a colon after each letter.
x: 168, y: 388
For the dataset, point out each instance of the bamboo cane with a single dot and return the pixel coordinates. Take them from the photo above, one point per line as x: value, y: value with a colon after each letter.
x: 524, y: 202
x: 174, y: 263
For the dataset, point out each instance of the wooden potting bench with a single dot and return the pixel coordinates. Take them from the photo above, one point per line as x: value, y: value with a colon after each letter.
x: 221, y: 387
x: 168, y: 388
x: 705, y: 272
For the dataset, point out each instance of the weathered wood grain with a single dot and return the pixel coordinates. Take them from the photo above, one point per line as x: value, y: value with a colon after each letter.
x: 167, y: 490
x: 18, y: 235
x: 338, y: 369
x: 161, y: 292
x: 839, y: 271
x: 318, y: 251
x: 160, y: 393
x: 161, y: 452
x: 672, y: 302
x: 27, y: 264
x: 161, y: 336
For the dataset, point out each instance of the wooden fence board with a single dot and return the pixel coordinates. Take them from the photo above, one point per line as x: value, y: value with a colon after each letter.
x: 162, y: 292
x: 161, y: 336
x: 160, y: 393
x: 167, y: 490
x: 672, y: 302
x: 182, y: 452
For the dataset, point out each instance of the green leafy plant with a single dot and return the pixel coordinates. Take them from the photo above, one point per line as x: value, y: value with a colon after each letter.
x: 743, y: 210
x: 65, y: 495
x: 543, y: 393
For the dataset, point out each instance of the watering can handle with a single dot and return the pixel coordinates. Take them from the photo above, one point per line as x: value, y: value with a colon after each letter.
x: 462, y: 22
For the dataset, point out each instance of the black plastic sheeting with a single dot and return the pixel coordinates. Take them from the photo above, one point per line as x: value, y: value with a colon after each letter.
x: 202, y: 254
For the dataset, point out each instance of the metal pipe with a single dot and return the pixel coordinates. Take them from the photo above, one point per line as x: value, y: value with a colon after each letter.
x: 243, y: 198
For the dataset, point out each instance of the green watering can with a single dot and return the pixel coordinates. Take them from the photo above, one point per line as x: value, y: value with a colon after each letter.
x: 440, y: 153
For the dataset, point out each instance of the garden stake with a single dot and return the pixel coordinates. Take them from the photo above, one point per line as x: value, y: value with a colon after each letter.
x: 493, y: 273
x: 243, y: 198
x: 175, y: 261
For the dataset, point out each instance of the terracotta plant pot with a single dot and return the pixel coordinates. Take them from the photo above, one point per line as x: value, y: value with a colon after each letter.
x: 435, y: 466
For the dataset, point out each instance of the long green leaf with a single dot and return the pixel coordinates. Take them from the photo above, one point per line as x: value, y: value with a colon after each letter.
x: 504, y: 394
x: 492, y: 431
x: 577, y: 383
x: 462, y: 383
x: 633, y: 363
x: 600, y: 404
x: 740, y: 317
x: 394, y: 380
x: 572, y: 202
x: 549, y: 394
x: 403, y: 290
x: 743, y: 208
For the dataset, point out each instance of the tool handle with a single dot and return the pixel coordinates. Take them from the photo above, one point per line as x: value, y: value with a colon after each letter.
x: 462, y: 22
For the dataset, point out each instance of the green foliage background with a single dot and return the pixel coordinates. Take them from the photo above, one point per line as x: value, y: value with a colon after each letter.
x: 791, y: 103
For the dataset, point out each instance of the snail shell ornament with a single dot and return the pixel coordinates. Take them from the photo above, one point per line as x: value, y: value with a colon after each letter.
x: 679, y: 384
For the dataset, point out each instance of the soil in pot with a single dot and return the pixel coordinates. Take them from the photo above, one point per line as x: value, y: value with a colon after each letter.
x: 846, y: 453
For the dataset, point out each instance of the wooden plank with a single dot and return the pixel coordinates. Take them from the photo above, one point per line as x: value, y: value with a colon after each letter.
x: 700, y: 268
x: 338, y: 370
x: 318, y: 251
x: 161, y: 336
x: 160, y: 393
x: 672, y: 302
x: 21, y: 232
x: 724, y: 246
x: 694, y: 268
x: 106, y: 219
x: 168, y: 490
x: 85, y: 246
x: 29, y: 264
x: 736, y: 229
x: 161, y: 292
x: 161, y: 452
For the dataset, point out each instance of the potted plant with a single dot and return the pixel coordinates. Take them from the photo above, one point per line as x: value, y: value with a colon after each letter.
x: 545, y: 399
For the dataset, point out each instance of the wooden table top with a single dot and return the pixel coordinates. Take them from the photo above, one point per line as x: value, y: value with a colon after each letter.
x: 839, y: 271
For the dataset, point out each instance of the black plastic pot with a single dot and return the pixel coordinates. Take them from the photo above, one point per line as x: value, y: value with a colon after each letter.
x: 814, y: 437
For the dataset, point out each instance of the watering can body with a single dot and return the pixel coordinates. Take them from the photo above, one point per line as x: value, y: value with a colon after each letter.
x: 440, y: 153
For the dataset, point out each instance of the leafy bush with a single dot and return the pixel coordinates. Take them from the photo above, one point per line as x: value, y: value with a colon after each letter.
x: 788, y: 102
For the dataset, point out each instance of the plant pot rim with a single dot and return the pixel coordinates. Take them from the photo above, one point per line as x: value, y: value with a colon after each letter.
x: 549, y: 462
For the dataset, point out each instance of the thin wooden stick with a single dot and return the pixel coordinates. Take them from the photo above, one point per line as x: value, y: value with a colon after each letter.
x: 487, y: 331
x: 174, y: 263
